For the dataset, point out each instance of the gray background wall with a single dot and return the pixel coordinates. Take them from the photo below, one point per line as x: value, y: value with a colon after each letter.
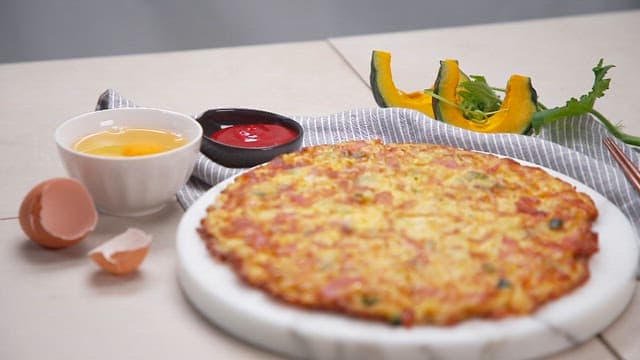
x: 53, y: 29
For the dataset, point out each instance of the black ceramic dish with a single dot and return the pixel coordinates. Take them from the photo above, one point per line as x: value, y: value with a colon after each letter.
x: 241, y: 157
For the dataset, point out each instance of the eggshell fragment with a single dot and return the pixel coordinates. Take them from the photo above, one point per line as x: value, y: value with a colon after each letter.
x: 124, y: 253
x: 58, y: 213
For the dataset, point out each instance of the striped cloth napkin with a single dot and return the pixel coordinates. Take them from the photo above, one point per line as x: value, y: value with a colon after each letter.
x: 572, y: 146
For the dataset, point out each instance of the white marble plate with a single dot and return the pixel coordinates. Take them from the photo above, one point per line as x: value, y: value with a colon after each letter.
x: 253, y: 316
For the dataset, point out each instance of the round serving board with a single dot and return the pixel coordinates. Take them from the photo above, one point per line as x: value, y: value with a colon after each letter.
x: 248, y: 313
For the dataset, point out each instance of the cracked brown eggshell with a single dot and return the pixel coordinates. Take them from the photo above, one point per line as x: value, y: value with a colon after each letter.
x: 124, y: 253
x: 57, y: 213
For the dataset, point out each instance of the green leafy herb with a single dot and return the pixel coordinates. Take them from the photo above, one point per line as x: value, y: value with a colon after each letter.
x: 585, y: 105
x: 473, y: 175
x: 478, y: 99
x: 395, y: 319
x: 503, y: 284
x: 555, y: 224
x: 369, y: 300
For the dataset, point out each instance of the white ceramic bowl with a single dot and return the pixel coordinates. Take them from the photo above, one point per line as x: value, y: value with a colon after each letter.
x: 130, y: 186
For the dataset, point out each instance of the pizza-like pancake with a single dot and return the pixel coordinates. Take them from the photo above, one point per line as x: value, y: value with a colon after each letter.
x: 404, y: 233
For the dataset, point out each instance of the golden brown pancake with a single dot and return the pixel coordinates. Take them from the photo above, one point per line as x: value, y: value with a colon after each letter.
x: 404, y: 233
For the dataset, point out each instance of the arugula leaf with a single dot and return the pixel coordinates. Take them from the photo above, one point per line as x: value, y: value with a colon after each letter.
x: 478, y: 99
x: 585, y: 105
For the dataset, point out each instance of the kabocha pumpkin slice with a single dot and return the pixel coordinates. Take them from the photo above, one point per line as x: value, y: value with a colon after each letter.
x: 387, y: 94
x: 514, y: 115
x: 385, y: 91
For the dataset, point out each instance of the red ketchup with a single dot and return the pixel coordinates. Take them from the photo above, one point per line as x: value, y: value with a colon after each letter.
x: 254, y: 135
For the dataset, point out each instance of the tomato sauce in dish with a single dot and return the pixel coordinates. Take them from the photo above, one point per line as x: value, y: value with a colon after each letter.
x: 254, y: 135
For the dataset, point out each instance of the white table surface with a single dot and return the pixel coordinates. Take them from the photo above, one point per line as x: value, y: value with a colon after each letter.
x: 58, y: 305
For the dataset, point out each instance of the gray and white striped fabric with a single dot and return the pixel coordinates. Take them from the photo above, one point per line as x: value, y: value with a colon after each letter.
x: 572, y: 146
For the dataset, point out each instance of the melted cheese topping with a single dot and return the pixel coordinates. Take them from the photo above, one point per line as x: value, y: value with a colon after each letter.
x: 405, y: 233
